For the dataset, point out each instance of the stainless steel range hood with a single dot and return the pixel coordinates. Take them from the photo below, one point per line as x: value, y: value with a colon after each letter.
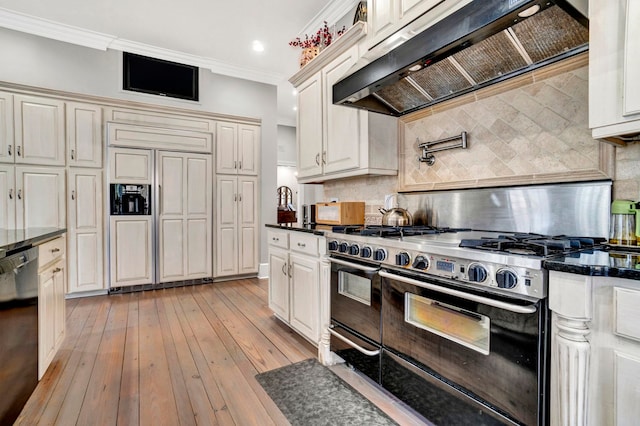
x: 482, y: 43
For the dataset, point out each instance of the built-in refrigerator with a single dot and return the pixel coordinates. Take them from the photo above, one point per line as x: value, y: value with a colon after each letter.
x: 160, y: 217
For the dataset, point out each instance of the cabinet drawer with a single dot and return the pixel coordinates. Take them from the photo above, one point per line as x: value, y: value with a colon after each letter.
x: 627, y: 315
x: 278, y: 239
x: 306, y: 244
x: 50, y: 251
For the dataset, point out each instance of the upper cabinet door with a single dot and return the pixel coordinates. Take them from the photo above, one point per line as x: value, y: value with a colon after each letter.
x: 248, y: 149
x: 341, y: 125
x: 39, y: 130
x: 227, y: 148
x: 309, y: 132
x: 7, y: 197
x: 632, y: 60
x: 84, y: 135
x: 128, y: 165
x: 6, y: 128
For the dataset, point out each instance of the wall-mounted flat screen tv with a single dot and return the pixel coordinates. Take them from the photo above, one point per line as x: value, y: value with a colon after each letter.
x: 159, y: 77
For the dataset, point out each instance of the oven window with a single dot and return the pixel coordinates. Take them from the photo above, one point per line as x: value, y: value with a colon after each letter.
x: 458, y: 325
x: 355, y: 287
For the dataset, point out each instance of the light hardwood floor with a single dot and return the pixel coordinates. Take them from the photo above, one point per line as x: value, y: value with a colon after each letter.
x: 182, y: 356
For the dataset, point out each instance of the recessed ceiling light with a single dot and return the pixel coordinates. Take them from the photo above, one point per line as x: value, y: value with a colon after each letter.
x: 258, y: 46
x: 295, y: 92
x: 530, y: 11
x: 295, y: 108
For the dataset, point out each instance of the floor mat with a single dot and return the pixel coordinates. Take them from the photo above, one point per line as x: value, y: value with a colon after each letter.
x: 308, y: 393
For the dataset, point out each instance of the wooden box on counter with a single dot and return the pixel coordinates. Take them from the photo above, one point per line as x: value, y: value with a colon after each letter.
x: 340, y: 213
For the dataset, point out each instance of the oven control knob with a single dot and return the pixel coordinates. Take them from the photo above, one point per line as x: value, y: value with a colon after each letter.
x: 342, y: 248
x: 477, y: 273
x: 365, y: 252
x: 403, y: 259
x: 354, y: 249
x: 506, y: 278
x: 420, y: 262
x: 379, y: 254
x: 333, y: 245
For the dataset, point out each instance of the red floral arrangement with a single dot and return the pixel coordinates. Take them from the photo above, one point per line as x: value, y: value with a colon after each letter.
x: 322, y: 38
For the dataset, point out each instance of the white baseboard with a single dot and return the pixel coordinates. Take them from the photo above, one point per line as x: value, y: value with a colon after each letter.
x: 263, y: 270
x: 86, y: 294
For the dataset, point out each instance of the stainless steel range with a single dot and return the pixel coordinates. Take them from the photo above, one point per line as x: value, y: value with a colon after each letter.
x: 453, y: 322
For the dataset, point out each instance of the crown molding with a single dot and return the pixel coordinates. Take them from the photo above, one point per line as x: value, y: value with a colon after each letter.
x: 54, y: 30
x: 332, y: 13
x: 94, y: 40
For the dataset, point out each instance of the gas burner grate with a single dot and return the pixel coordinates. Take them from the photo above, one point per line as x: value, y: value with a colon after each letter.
x: 404, y: 231
x: 533, y: 244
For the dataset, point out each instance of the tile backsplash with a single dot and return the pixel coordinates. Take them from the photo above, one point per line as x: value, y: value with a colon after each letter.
x: 537, y: 130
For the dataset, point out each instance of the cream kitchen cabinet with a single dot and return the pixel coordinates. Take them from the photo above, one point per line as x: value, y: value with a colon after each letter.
x: 85, y: 230
x: 614, y: 67
x: 137, y: 136
x: 237, y: 236
x: 385, y: 17
x: 184, y: 216
x: 595, y: 350
x: 294, y: 280
x: 84, y: 135
x: 51, y: 305
x: 130, y: 250
x: 237, y: 149
x: 32, y: 197
x: 39, y: 129
x: 336, y: 141
x: 6, y: 127
x: 127, y: 165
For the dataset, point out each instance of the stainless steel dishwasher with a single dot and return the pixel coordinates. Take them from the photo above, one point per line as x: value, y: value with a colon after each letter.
x: 18, y: 330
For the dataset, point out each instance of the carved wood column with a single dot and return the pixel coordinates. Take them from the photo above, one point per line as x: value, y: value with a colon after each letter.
x: 324, y: 351
x: 570, y: 300
x: 569, y: 371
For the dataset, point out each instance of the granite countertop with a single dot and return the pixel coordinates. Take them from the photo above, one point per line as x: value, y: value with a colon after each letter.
x: 11, y: 239
x: 310, y: 229
x: 608, y: 262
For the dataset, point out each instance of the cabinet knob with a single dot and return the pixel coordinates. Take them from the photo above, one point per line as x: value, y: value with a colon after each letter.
x: 9, y: 150
x: 11, y: 194
x: 19, y: 151
x: 240, y: 164
x: 289, y: 270
x: 324, y: 157
x: 73, y: 195
x: 55, y: 250
x: 235, y: 164
x: 55, y: 271
x: 318, y: 159
x: 275, y: 239
x: 19, y: 194
x: 284, y: 271
x: 73, y: 154
x: 303, y: 245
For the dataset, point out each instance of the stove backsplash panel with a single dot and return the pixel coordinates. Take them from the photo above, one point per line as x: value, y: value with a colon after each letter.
x: 576, y: 209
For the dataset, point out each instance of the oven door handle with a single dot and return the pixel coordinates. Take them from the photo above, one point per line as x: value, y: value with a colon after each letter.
x: 529, y: 309
x: 353, y: 265
x: 352, y: 344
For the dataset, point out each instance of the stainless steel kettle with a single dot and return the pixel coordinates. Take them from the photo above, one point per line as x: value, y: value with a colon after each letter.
x: 396, y: 217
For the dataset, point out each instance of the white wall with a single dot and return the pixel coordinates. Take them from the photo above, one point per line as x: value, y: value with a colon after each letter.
x: 287, y: 154
x: 36, y: 61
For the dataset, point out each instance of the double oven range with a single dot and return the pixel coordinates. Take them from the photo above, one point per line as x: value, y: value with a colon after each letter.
x: 452, y: 322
